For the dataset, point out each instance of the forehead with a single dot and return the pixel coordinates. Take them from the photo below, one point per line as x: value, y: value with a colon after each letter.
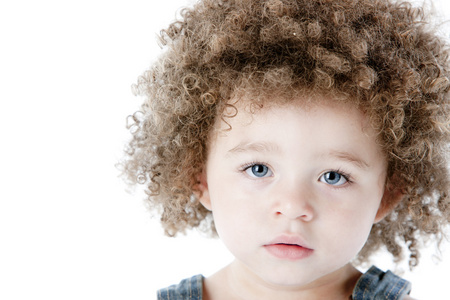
x: 243, y: 110
x: 336, y: 116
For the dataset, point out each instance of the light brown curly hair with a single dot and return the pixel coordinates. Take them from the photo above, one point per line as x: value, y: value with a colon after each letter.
x: 379, y: 54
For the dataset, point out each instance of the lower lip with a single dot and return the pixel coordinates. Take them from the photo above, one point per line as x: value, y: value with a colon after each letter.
x: 290, y: 252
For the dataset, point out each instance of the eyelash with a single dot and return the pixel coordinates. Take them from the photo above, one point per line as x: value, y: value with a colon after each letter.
x: 344, y: 174
x: 246, y: 166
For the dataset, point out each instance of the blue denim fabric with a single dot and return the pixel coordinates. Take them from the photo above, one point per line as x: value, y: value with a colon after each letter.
x: 187, y: 289
x: 378, y: 285
x: 373, y: 285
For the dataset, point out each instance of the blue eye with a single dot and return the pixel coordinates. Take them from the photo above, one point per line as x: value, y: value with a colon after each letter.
x: 333, y: 178
x: 258, y: 170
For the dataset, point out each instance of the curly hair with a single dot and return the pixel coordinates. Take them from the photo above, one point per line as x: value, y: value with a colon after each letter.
x: 382, y: 55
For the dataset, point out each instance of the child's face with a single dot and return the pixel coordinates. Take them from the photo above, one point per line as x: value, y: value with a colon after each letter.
x: 286, y: 174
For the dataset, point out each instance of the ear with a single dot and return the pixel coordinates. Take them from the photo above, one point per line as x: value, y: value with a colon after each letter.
x: 391, y: 198
x: 202, y: 191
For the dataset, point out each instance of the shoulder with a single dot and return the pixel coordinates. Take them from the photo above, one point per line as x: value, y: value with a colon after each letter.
x: 189, y: 288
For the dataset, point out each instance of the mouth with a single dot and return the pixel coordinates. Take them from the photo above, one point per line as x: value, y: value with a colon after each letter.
x: 288, y: 248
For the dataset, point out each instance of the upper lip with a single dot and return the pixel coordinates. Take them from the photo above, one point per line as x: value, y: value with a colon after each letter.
x: 288, y: 239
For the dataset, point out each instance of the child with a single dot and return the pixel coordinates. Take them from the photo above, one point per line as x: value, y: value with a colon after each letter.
x: 308, y: 134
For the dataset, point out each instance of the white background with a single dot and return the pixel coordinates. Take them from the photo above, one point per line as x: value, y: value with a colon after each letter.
x: 68, y: 229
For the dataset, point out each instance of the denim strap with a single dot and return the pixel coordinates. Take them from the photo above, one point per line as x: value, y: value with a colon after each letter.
x: 378, y: 285
x: 187, y: 289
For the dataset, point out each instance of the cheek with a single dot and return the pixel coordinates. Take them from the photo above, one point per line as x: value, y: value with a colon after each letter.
x: 235, y: 216
x: 227, y: 212
x: 350, y: 227
x: 232, y: 201
x: 233, y: 227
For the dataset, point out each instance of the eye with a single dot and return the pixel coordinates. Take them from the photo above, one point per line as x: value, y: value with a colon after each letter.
x: 258, y: 170
x: 333, y: 178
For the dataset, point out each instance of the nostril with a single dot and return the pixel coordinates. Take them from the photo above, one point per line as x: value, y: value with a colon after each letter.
x: 300, y: 216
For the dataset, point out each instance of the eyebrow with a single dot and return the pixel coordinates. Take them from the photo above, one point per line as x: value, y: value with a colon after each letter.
x: 262, y: 147
x: 349, y: 157
x: 254, y: 147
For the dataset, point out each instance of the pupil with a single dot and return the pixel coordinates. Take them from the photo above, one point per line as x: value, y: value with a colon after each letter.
x: 259, y: 170
x: 333, y: 177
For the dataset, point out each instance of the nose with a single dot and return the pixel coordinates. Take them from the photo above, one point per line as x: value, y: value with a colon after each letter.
x: 293, y: 201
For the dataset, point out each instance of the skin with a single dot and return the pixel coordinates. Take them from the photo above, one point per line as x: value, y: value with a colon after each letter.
x: 310, y: 175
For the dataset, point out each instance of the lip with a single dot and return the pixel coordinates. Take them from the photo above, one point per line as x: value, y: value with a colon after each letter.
x: 288, y: 248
